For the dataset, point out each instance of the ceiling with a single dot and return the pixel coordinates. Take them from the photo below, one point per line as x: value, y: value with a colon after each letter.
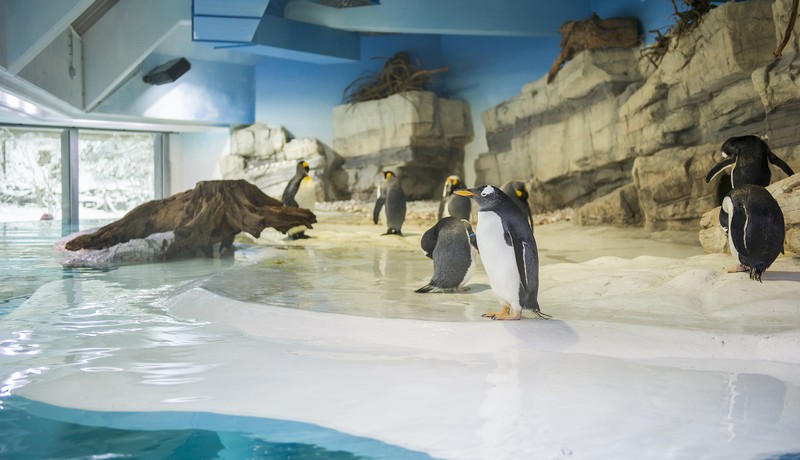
x: 72, y: 55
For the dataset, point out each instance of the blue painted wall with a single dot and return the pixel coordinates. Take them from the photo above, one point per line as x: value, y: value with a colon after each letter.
x: 652, y: 14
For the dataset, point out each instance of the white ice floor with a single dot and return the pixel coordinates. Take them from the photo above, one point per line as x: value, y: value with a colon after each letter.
x: 661, y: 355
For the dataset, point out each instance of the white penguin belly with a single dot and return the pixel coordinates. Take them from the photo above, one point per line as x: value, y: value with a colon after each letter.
x: 473, y: 255
x: 498, y: 259
x: 727, y: 206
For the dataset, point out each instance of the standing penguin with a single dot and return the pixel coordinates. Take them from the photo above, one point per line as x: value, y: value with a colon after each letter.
x: 519, y: 195
x: 750, y: 158
x: 508, y: 252
x: 451, y: 244
x: 391, y: 194
x: 755, y: 228
x: 300, y: 193
x: 452, y: 204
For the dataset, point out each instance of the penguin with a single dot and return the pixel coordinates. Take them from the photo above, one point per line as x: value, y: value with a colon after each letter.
x: 300, y: 193
x: 755, y: 228
x: 452, y: 246
x: 750, y: 157
x: 508, y: 252
x: 519, y: 194
x: 391, y: 194
x: 452, y: 204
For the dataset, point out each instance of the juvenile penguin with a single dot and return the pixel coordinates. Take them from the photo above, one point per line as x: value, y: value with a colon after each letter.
x: 508, y: 252
x: 451, y: 244
x: 300, y: 193
x: 519, y: 195
x: 452, y: 204
x: 755, y: 228
x: 749, y: 157
x: 391, y: 194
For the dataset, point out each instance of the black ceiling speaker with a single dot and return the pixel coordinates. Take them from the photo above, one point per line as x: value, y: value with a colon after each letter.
x: 168, y: 72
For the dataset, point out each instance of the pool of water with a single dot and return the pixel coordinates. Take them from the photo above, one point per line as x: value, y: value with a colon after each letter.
x: 321, y: 349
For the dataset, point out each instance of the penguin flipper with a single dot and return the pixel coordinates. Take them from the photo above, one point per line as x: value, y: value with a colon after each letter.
x: 523, y: 258
x: 376, y: 212
x: 428, y: 240
x: 719, y: 167
x: 290, y: 191
x: 780, y: 163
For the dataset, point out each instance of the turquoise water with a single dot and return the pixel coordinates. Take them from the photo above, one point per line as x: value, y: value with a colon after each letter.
x: 122, y: 312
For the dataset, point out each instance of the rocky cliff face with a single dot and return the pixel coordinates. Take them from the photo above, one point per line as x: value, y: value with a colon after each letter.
x: 417, y: 135
x: 629, y: 144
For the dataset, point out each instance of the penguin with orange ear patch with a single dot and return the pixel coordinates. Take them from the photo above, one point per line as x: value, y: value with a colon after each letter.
x: 300, y: 193
x: 518, y: 193
x: 392, y: 196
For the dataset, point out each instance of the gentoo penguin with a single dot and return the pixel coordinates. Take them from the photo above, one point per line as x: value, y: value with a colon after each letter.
x: 750, y: 157
x: 451, y: 244
x: 755, y: 228
x: 391, y: 194
x: 452, y: 204
x: 519, y: 194
x: 508, y: 252
x: 300, y: 193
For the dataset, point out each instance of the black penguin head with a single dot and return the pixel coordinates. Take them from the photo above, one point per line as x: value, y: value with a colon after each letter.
x: 388, y: 174
x: 748, y: 148
x: 302, y: 167
x: 521, y: 191
x: 487, y: 196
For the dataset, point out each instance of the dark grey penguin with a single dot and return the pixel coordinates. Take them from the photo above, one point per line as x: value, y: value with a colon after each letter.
x: 755, y: 228
x: 391, y: 194
x: 452, y: 204
x: 749, y: 157
x: 518, y: 192
x: 299, y: 193
x: 508, y: 252
x: 451, y: 244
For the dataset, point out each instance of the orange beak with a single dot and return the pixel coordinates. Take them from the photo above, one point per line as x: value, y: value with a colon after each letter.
x: 466, y: 193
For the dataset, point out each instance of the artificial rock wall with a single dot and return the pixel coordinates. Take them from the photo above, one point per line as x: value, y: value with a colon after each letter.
x: 627, y: 143
x: 418, y: 135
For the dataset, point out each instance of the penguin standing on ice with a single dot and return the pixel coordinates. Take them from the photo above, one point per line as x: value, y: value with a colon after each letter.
x: 508, y: 252
x: 518, y: 193
x: 749, y: 157
x: 452, y: 204
x: 300, y: 193
x: 391, y: 195
x: 755, y: 228
x: 451, y: 244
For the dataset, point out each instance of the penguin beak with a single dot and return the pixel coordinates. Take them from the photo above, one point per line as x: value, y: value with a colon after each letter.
x: 466, y: 193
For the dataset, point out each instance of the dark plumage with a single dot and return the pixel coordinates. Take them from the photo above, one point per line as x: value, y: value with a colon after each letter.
x: 518, y: 192
x: 299, y: 193
x: 452, y: 204
x: 451, y: 244
x: 755, y: 228
x: 392, y: 196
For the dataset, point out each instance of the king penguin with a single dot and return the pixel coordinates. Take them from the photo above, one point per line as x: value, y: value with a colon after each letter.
x: 391, y: 194
x: 755, y: 228
x: 749, y: 157
x: 300, y: 193
x: 519, y: 195
x: 452, y: 204
x: 508, y: 252
x: 452, y: 246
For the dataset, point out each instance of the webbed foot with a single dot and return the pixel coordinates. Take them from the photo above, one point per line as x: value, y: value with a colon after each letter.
x: 504, y: 314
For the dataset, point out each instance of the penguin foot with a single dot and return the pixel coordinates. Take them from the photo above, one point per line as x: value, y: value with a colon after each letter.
x: 739, y: 269
x: 504, y: 314
x: 299, y: 236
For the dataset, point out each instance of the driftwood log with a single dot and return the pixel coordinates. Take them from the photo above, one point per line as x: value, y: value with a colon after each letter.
x: 213, y: 212
x: 594, y: 33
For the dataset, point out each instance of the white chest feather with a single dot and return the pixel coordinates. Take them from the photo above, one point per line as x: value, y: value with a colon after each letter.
x: 498, y: 258
x: 306, y: 195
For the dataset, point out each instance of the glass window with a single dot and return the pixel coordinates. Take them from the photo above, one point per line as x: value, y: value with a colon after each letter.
x: 116, y: 172
x: 30, y: 174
